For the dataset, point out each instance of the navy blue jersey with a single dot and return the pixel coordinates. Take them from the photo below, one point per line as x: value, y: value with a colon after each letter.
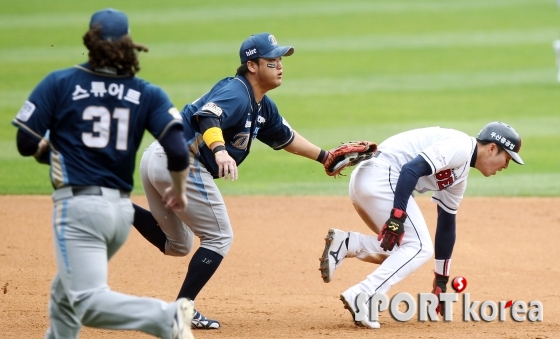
x: 96, y: 122
x: 242, y: 120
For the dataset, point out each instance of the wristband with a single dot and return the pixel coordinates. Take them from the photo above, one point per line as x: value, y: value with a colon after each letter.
x: 218, y: 148
x: 212, y: 135
x: 321, y: 156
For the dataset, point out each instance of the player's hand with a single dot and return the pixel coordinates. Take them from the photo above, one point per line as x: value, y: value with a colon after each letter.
x: 440, y: 286
x: 226, y: 166
x: 176, y: 201
x: 392, y: 232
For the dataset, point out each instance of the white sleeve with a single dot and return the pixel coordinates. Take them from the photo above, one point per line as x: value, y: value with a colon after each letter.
x: 446, y: 154
x: 449, y: 198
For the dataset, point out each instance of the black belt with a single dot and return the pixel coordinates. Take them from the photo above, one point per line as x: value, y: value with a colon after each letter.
x: 376, y: 154
x: 93, y: 190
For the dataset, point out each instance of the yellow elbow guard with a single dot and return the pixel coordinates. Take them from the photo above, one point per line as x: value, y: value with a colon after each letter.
x: 212, y: 135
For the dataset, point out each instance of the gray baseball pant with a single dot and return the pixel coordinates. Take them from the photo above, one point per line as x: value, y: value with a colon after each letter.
x: 88, y: 231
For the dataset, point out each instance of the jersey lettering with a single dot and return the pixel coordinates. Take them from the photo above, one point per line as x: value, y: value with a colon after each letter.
x: 240, y: 141
x: 102, y: 127
x: 444, y: 179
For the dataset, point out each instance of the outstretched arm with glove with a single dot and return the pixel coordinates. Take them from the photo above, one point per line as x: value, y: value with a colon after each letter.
x: 336, y: 159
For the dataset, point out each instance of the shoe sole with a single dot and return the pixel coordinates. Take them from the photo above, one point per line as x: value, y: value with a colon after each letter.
x: 347, y: 306
x: 203, y: 327
x: 324, y: 267
x: 198, y: 324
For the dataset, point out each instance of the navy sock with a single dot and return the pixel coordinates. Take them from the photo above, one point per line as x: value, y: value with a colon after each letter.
x: 201, y: 268
x: 147, y: 225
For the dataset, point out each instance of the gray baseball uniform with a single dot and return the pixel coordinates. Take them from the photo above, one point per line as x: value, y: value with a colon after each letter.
x: 206, y: 214
x: 96, y: 117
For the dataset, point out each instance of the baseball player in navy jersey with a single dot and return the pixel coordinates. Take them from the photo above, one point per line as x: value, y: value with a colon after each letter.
x: 95, y: 114
x: 220, y: 128
x: 427, y: 159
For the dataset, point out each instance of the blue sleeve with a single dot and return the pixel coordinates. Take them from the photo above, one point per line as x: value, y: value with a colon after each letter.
x: 445, y: 235
x: 227, y: 104
x: 275, y: 132
x: 408, y: 178
x: 35, y: 117
x: 161, y: 113
x: 26, y: 144
x: 175, y: 146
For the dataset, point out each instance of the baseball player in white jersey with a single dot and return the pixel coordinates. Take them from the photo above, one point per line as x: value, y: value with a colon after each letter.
x: 427, y: 159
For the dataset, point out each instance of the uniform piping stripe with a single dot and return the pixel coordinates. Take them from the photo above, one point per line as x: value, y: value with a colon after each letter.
x: 248, y: 93
x: 102, y: 74
x: 430, y: 162
x: 287, y: 142
x: 171, y: 123
x: 441, y: 202
x: 403, y: 265
x: 415, y: 231
x: 194, y: 174
x: 25, y: 127
x: 389, y: 179
x: 59, y: 176
x: 60, y: 223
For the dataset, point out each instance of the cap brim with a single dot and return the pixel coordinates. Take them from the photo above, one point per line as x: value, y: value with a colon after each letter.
x: 279, y: 51
x: 515, y: 157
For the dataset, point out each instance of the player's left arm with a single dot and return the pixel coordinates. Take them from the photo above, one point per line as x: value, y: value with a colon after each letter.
x: 443, y: 247
x: 303, y: 147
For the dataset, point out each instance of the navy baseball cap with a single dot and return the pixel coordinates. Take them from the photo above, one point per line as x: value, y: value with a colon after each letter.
x: 262, y: 45
x: 113, y: 23
x: 503, y: 135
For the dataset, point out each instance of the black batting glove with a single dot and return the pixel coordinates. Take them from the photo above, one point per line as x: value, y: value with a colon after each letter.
x: 440, y: 286
x: 392, y: 232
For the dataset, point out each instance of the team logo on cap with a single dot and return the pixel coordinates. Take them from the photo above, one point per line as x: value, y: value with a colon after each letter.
x: 250, y: 51
x: 272, y: 39
x: 504, y: 141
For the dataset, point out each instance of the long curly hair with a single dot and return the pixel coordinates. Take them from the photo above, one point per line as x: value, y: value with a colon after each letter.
x: 119, y: 54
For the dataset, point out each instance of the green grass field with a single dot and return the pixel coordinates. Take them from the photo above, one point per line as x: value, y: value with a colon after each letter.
x: 362, y: 70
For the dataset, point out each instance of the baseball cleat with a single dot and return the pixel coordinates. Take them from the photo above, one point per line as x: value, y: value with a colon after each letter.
x: 200, y: 321
x: 349, y: 300
x: 335, y: 251
x: 183, y: 316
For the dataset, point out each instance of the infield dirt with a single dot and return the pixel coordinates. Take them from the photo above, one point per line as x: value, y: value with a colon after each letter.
x: 269, y: 285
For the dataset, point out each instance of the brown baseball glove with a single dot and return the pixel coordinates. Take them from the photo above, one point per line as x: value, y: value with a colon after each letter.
x: 347, y: 154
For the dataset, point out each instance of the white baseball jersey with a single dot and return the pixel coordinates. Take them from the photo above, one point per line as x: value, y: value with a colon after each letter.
x: 447, y: 151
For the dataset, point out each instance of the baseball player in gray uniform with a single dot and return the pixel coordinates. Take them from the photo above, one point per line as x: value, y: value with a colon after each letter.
x: 427, y: 159
x: 96, y: 114
x: 220, y: 128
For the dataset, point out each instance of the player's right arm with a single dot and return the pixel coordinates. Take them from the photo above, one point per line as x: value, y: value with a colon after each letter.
x: 166, y: 125
x: 392, y: 231
x: 213, y: 137
x: 28, y: 146
x: 176, y: 149
x: 33, y: 120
